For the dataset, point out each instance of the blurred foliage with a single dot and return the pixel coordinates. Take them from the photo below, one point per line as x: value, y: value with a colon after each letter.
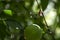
x: 21, y: 20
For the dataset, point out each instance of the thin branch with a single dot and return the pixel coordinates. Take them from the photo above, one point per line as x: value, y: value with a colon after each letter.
x: 42, y: 15
x: 48, y: 30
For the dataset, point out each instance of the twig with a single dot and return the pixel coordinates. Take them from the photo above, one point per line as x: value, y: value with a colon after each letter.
x: 42, y: 15
x: 48, y: 30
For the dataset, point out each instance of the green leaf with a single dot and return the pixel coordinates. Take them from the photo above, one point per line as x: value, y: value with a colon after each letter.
x: 8, y: 12
x: 33, y: 32
x: 44, y: 4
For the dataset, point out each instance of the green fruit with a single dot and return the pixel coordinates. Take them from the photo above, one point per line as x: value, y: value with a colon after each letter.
x: 8, y: 12
x: 33, y: 32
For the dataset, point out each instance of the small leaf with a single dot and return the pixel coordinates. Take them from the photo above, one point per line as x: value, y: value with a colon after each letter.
x: 8, y: 12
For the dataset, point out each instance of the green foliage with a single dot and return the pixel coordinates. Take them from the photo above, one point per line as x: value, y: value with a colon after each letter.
x: 21, y: 20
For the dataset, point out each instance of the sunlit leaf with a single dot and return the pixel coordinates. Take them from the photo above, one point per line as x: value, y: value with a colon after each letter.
x: 8, y: 12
